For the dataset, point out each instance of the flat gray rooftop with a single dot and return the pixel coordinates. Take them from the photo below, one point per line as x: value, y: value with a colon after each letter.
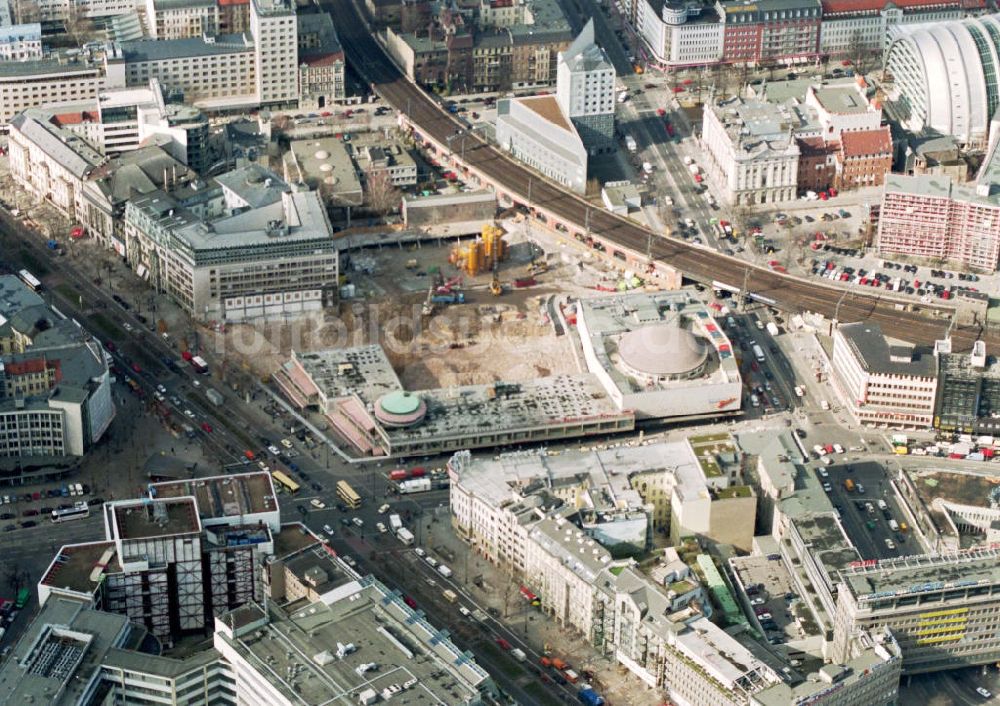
x: 224, y: 496
x: 400, y: 644
x: 61, y: 648
x: 73, y: 568
x: 162, y: 518
x: 503, y: 408
x: 924, y: 573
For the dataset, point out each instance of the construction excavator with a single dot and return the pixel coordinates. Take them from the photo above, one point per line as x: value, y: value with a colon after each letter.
x: 496, y: 289
x: 536, y: 267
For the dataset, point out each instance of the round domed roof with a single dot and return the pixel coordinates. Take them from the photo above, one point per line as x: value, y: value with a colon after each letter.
x: 326, y: 167
x: 399, y: 402
x: 322, y: 154
x: 664, y: 349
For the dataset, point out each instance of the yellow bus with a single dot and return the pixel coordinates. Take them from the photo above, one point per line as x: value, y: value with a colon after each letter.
x: 346, y: 493
x: 285, y: 482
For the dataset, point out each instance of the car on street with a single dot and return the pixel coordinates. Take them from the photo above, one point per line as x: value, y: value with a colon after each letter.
x: 317, y: 503
x: 189, y: 414
x: 317, y: 487
x: 206, y: 427
x: 358, y: 522
x: 383, y: 509
x: 985, y: 693
x: 9, y: 528
x: 328, y: 529
x: 380, y: 526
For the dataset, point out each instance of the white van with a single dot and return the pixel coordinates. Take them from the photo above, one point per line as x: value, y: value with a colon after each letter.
x: 893, y: 525
x: 754, y: 400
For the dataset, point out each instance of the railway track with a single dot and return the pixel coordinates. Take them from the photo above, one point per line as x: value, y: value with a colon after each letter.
x: 915, y: 322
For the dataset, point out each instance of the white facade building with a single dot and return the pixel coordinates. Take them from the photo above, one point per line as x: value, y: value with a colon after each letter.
x: 270, y: 252
x: 180, y: 19
x: 881, y: 382
x: 535, y: 131
x: 944, y: 76
x: 21, y: 42
x: 276, y: 59
x: 28, y: 84
x: 679, y: 33
x: 585, y: 90
x: 752, y: 150
x: 849, y: 27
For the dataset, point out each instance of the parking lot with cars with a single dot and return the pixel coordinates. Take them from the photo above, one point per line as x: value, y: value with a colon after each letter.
x: 776, y: 606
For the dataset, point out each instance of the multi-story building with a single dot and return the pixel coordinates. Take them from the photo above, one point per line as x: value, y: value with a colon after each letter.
x: 321, y: 61
x: 865, y: 157
x: 50, y: 158
x: 191, y: 550
x: 234, y: 16
x: 751, y: 147
x: 270, y: 251
x: 216, y: 71
x: 585, y: 90
x: 535, y: 131
x: 73, y: 654
x: 180, y: 19
x: 520, y: 54
x: 63, y: 77
x: 680, y: 33
x: 942, y: 609
x: 21, y: 42
x: 55, y: 389
x: 883, y: 382
x: 377, y: 152
x: 968, y: 392
x: 942, y: 77
x: 273, y: 25
x: 62, y: 10
x: 934, y: 219
x: 854, y: 28
x: 769, y: 32
x: 870, y: 677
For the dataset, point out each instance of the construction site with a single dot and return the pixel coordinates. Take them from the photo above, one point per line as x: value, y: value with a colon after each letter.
x: 459, y: 312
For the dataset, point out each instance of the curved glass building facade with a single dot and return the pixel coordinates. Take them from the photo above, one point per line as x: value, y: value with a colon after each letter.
x: 945, y: 76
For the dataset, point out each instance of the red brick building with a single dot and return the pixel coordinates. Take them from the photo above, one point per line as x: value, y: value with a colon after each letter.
x: 770, y: 31
x: 817, y: 164
x: 865, y: 157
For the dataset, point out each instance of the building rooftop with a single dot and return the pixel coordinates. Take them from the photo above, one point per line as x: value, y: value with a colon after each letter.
x: 225, y: 496
x: 547, y: 108
x: 880, y: 356
x: 21, y: 33
x: 66, y: 148
x: 293, y: 537
x: 53, y: 661
x: 870, y: 581
x: 862, y: 143
x: 506, y: 408
x: 166, y: 49
x: 392, y: 647
x: 824, y: 536
x: 842, y: 99
x: 339, y: 372
x: 54, y: 67
x: 145, y: 519
x: 571, y: 546
x: 940, y: 187
x: 605, y: 473
x: 584, y: 54
x: 324, y: 162
x: 724, y: 658
x: 80, y: 568
x: 680, y: 342
x: 868, y: 7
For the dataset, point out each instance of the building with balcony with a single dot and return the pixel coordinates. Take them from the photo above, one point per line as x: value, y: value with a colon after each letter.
x: 191, y: 550
x: 935, y: 219
x: 180, y: 19
x: 679, y: 34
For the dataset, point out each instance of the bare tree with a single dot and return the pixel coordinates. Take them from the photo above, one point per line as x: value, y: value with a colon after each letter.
x: 858, y: 51
x: 383, y: 196
x: 79, y: 27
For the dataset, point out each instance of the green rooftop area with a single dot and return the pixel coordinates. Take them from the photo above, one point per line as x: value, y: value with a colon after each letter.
x: 707, y: 447
x: 736, y: 491
x: 681, y: 587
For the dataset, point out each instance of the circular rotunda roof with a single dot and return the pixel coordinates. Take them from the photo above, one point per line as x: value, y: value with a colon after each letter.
x: 399, y: 402
x: 664, y: 349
